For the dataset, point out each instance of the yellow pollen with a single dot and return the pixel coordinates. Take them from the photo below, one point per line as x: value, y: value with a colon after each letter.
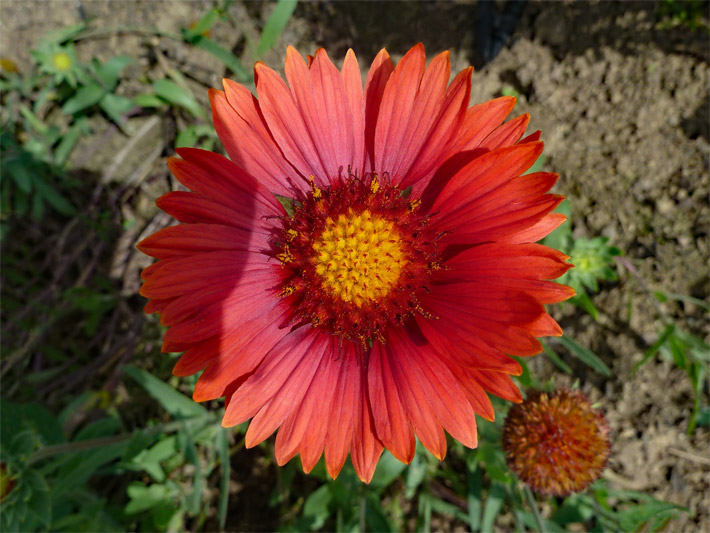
x: 359, y: 257
x: 317, y: 193
x: 374, y: 185
x: 285, y: 256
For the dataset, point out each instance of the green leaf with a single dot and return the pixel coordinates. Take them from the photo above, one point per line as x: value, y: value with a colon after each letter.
x: 193, y: 457
x: 526, y: 378
x: 86, y: 96
x: 64, y: 34
x: 20, y: 174
x: 275, y: 24
x: 76, y: 471
x: 33, y: 120
x: 227, y: 58
x: 203, y: 25
x: 584, y: 302
x: 375, y: 516
x: 287, y: 203
x: 493, y: 459
x: 224, y: 459
x: 556, y: 360
x: 474, y: 484
x: 388, y: 469
x: 144, y: 497
x: 585, y: 355
x: 56, y: 200
x: 494, y: 504
x: 68, y: 142
x: 172, y: 93
x: 109, y: 72
x: 633, y: 518
x: 416, y: 472
x: 115, y: 107
x: 317, y: 506
x: 148, y: 100
x: 175, y: 403
x: 39, y: 503
x: 653, y: 350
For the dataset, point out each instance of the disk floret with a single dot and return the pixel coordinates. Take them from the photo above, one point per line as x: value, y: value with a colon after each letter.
x: 355, y: 256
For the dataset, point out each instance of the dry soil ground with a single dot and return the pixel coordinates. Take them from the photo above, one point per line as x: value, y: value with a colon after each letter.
x: 622, y: 102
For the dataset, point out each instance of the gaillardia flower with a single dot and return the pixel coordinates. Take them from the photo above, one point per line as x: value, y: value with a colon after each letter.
x: 556, y: 443
x: 381, y: 302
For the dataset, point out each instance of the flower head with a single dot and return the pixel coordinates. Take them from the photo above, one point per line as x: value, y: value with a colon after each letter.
x: 382, y: 303
x: 556, y: 443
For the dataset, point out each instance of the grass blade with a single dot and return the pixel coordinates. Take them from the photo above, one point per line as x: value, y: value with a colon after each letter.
x: 174, y: 402
x: 653, y: 350
x: 275, y: 24
x: 585, y: 355
x: 223, y: 451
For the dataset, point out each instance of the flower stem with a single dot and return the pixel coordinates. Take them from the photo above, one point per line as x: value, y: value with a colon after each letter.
x: 363, y: 511
x: 532, y: 503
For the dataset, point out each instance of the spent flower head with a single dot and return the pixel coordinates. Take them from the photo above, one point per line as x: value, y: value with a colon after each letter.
x: 556, y: 442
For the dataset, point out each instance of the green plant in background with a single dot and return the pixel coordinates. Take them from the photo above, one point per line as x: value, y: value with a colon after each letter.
x: 687, y: 351
x: 593, y: 261
x: 688, y: 13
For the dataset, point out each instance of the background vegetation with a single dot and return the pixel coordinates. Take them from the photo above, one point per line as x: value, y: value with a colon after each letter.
x: 96, y: 435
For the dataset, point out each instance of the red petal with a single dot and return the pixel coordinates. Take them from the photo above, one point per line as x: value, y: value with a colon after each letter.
x: 442, y: 133
x: 366, y: 448
x: 174, y: 277
x: 539, y: 230
x: 499, y: 384
x: 292, y: 361
x: 243, y: 131
x: 377, y: 78
x: 480, y: 121
x: 242, y: 347
x: 485, y: 174
x: 304, y: 429
x: 249, y: 298
x: 431, y: 383
x: 507, y: 134
x: 190, y: 239
x: 466, y: 351
x: 216, y: 177
x: 389, y: 412
x: 397, y: 121
x: 352, y: 84
x: 495, y: 317
x: 503, y: 260
x: 285, y: 120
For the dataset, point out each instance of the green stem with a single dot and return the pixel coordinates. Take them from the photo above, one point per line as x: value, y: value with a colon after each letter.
x: 532, y: 503
x: 363, y: 510
x: 81, y: 445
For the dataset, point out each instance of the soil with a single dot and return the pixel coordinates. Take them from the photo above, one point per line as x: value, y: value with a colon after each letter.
x: 621, y: 98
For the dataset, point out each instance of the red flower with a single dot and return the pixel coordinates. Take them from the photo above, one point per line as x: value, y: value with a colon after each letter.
x: 383, y: 306
x: 556, y: 442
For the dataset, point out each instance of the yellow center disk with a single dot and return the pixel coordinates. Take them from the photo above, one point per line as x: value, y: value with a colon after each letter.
x: 359, y: 257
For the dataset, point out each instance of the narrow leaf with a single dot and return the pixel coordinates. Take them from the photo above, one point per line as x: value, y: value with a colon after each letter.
x: 174, y: 402
x: 585, y: 355
x: 275, y: 24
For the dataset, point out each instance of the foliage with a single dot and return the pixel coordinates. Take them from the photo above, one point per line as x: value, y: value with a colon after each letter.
x: 593, y: 261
